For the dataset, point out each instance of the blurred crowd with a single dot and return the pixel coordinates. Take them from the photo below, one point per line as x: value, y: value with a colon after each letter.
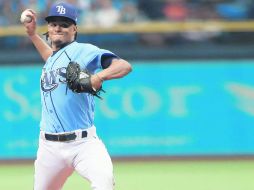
x: 107, y: 13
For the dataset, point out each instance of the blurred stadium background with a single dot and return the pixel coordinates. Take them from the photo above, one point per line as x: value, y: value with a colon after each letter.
x: 183, y: 119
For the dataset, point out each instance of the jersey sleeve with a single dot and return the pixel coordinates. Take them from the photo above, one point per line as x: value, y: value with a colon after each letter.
x: 100, y: 59
x: 106, y: 60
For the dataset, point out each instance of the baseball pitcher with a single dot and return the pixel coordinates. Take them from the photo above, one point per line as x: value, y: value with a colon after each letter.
x: 71, y: 79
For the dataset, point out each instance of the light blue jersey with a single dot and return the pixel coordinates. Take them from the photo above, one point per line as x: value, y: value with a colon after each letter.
x: 62, y: 109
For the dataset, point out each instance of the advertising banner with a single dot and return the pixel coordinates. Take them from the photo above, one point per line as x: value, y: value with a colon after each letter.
x: 163, y: 108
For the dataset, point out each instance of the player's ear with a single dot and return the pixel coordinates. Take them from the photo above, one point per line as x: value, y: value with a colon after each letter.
x: 75, y: 28
x: 76, y: 32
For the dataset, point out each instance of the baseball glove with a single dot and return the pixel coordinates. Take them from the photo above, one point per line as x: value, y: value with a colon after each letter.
x: 79, y: 81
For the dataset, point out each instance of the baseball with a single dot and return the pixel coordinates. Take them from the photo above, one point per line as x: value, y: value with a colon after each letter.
x: 26, y: 17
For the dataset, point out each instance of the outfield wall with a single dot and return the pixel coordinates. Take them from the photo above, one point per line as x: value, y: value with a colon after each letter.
x: 163, y: 108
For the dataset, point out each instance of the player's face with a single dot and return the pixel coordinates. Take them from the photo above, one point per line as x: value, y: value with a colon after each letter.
x: 61, y: 32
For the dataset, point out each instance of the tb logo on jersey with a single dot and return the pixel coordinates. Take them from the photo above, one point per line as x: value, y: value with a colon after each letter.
x: 61, y: 10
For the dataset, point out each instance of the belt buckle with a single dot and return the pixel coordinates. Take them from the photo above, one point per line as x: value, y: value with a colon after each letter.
x: 72, y: 135
x: 67, y: 137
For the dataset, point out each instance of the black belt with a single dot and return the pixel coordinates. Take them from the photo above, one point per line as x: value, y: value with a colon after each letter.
x: 64, y: 137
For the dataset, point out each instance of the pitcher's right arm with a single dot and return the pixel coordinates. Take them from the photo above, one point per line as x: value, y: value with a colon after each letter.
x: 42, y: 47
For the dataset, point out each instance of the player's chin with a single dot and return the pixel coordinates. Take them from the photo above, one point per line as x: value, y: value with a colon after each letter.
x: 58, y: 39
x: 60, y: 43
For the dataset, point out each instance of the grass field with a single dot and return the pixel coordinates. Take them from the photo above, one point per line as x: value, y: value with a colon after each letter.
x: 165, y: 175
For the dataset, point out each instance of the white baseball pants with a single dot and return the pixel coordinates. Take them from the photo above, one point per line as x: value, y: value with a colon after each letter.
x: 57, y: 160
